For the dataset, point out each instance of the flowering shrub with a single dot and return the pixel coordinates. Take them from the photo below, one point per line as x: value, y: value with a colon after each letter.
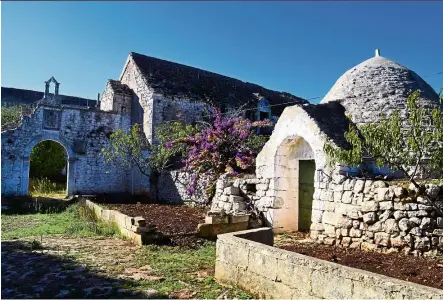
x: 228, y: 145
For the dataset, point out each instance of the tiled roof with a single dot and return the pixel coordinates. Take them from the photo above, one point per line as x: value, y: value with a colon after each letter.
x: 119, y: 87
x: 175, y: 79
x: 26, y: 97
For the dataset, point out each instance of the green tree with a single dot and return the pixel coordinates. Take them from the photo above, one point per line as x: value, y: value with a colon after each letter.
x: 11, y: 116
x: 412, y: 145
x: 130, y: 148
x: 48, y: 159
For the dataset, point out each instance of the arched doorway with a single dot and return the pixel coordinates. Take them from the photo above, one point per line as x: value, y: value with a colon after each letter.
x: 48, y: 169
x: 26, y: 162
x: 294, y: 183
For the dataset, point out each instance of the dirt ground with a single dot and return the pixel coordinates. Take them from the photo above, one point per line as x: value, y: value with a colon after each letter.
x: 178, y: 222
x: 421, y: 270
x: 70, y: 268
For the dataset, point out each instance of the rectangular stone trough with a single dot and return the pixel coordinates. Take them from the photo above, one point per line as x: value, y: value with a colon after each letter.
x: 247, y: 259
x: 127, y: 225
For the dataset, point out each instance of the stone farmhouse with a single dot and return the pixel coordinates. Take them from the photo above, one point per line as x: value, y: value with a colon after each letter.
x: 148, y: 92
x: 293, y: 188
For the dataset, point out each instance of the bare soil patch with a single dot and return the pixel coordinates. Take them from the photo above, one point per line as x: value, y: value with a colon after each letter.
x: 421, y: 270
x: 177, y: 222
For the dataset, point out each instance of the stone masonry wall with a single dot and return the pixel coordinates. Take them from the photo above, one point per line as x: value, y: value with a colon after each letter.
x: 170, y: 187
x: 233, y: 195
x: 247, y: 259
x: 374, y: 214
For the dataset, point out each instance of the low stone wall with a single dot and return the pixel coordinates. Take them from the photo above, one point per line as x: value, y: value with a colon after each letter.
x: 170, y: 188
x: 234, y: 195
x: 246, y: 259
x: 374, y: 214
x: 135, y: 229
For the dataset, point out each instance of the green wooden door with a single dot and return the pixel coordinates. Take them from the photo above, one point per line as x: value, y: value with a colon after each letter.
x: 305, y: 193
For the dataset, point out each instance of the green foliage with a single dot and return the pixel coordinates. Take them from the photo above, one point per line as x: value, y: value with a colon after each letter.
x: 415, y: 145
x: 128, y: 148
x: 11, y: 116
x: 163, y: 153
x: 48, y: 159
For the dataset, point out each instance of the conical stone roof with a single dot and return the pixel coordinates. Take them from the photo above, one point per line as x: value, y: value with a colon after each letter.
x: 377, y: 86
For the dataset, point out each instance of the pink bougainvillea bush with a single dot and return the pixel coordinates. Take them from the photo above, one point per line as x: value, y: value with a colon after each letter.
x: 227, y: 145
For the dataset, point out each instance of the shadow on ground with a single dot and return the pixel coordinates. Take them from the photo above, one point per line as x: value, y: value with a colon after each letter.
x: 27, y: 271
x: 29, y: 205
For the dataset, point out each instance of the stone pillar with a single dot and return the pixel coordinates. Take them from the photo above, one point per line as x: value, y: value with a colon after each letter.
x: 24, y: 176
x: 70, y: 180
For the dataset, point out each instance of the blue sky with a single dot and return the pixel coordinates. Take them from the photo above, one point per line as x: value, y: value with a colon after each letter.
x: 298, y: 47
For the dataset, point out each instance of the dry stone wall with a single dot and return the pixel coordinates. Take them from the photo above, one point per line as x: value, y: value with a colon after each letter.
x: 236, y: 195
x: 374, y: 214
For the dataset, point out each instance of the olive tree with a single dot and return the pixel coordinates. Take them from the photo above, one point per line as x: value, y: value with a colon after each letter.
x: 412, y: 145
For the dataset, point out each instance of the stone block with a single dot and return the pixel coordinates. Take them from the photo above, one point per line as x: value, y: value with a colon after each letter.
x: 369, y: 206
x: 390, y: 226
x: 399, y: 214
x: 316, y: 216
x: 385, y: 205
x: 238, y: 206
x: 216, y: 219
x: 329, y: 218
x: 212, y: 230
x: 234, y: 198
x: 427, y: 224
x: 368, y: 246
x: 355, y: 233
x: 370, y: 218
x: 139, y: 221
x: 337, y: 196
x: 347, y: 197
x: 382, y: 239
x: 405, y: 224
x: 382, y: 194
x: 439, y: 223
x: 411, y: 206
x: 235, y: 191
x: 359, y: 186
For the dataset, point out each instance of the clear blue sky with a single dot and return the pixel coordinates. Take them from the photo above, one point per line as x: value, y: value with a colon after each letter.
x: 298, y: 47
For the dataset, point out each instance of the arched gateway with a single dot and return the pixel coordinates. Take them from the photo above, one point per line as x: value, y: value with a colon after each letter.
x: 82, y: 131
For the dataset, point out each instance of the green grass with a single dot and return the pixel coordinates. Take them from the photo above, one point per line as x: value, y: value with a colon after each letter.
x: 182, y: 268
x: 76, y: 220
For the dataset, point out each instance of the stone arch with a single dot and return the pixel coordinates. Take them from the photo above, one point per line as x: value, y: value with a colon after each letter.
x: 296, y: 137
x: 70, y: 172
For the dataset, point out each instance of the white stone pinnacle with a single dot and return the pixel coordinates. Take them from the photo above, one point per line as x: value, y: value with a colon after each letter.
x: 377, y: 52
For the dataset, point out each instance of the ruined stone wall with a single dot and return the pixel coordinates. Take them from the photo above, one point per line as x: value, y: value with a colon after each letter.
x: 374, y: 214
x: 82, y: 132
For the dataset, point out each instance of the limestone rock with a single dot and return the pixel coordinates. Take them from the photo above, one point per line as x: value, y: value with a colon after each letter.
x: 369, y: 218
x: 382, y: 238
x: 404, y: 224
x: 369, y: 206
x: 390, y: 226
x: 427, y: 224
x: 399, y: 214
